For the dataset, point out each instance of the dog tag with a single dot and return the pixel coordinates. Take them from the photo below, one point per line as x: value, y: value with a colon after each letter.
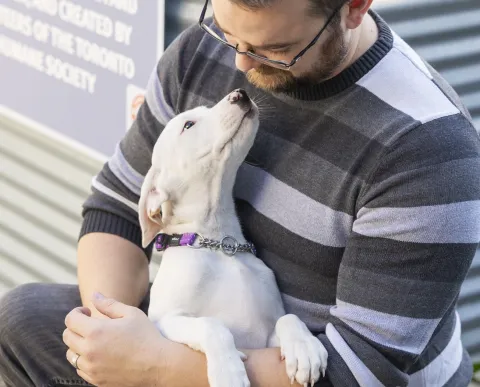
x: 229, y: 245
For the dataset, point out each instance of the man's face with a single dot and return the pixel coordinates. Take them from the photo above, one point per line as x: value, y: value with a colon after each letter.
x: 280, y: 32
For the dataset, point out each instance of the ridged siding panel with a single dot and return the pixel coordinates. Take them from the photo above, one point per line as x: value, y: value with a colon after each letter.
x: 43, y: 184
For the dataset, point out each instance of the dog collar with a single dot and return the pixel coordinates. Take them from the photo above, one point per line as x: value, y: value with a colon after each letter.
x: 229, y: 245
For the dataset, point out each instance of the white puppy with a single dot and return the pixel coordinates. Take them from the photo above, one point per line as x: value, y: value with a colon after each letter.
x: 211, y: 292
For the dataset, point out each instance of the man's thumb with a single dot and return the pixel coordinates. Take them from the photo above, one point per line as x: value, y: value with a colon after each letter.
x: 108, y: 306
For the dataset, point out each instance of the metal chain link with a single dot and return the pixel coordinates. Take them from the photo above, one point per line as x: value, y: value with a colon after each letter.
x: 217, y: 245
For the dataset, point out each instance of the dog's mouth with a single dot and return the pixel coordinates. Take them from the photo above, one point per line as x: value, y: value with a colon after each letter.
x: 249, y: 113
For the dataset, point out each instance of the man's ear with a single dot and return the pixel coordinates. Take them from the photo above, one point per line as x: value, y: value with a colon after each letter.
x: 150, y: 214
x: 356, y: 12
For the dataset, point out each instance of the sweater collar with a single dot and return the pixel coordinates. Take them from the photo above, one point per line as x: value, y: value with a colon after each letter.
x: 352, y: 74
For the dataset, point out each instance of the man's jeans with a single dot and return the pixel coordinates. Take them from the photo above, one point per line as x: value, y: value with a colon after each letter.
x: 32, y: 320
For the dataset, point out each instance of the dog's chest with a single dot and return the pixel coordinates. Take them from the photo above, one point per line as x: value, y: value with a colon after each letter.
x: 241, y: 292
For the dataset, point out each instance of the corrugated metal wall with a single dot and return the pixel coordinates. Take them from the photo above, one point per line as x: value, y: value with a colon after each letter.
x: 43, y: 181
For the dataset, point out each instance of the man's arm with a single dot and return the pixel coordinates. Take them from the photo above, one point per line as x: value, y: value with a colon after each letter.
x: 186, y: 367
x: 412, y: 242
x: 112, y: 266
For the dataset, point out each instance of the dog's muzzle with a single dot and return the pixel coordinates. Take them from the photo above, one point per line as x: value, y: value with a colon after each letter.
x: 239, y: 96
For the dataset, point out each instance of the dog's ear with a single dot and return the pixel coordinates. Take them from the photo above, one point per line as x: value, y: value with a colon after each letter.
x: 152, y: 208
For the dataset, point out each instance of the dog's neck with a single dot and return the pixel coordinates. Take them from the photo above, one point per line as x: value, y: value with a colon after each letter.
x: 207, y: 209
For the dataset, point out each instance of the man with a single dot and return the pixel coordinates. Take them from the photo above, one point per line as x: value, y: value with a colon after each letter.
x: 361, y: 192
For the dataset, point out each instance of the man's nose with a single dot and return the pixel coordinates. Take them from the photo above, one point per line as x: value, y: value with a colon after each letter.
x: 245, y: 63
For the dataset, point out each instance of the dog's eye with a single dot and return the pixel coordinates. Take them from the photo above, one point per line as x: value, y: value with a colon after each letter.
x: 188, y: 125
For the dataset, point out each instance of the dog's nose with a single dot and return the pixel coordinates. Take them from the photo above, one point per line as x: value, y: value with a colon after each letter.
x: 238, y: 95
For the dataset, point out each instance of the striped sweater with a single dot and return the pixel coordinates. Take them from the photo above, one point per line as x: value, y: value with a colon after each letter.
x: 361, y: 193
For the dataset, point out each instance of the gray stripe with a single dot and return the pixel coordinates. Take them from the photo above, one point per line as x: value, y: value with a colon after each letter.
x: 440, y: 339
x: 398, y: 332
x: 156, y: 100
x: 214, y: 50
x: 439, y: 371
x: 292, y: 209
x: 107, y: 191
x: 337, y: 373
x: 386, y: 364
x: 396, y: 296
x: 124, y: 171
x: 421, y: 186
x: 305, y: 275
x: 315, y: 316
x: 353, y: 109
x: 448, y: 223
x: 424, y: 262
x: 360, y: 371
x: 463, y: 375
x: 110, y: 180
x: 317, y: 177
x: 415, y: 93
x: 410, y: 53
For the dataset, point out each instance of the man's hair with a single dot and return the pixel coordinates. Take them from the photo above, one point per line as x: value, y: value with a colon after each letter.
x: 317, y: 7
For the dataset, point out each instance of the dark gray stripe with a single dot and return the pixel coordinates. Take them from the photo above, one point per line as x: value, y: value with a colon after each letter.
x: 374, y: 359
x: 422, y: 187
x: 406, y: 334
x: 394, y: 295
x: 444, y: 366
x: 440, y: 339
x: 337, y: 371
x: 291, y: 208
x: 400, y: 359
x: 137, y: 145
x: 101, y: 201
x: 124, y: 171
x: 299, y: 281
x: 432, y: 143
x: 271, y: 236
x: 108, y: 179
x: 353, y: 109
x: 434, y: 263
x: 307, y: 172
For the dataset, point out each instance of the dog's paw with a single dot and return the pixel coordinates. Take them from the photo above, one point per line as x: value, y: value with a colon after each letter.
x: 227, y: 370
x: 305, y: 356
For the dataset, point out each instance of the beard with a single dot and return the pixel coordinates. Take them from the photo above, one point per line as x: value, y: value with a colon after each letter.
x: 332, y: 55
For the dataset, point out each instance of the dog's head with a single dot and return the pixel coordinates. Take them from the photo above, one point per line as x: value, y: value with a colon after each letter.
x: 197, y: 149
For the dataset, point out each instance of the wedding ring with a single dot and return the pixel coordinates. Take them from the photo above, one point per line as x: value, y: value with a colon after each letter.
x: 75, y: 360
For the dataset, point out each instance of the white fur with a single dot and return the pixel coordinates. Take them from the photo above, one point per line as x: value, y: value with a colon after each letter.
x: 212, y: 302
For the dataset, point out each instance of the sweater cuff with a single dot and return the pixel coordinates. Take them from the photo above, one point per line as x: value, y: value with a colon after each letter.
x: 107, y: 222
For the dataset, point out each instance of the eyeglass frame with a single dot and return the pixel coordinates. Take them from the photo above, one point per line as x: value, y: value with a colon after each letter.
x: 261, y: 58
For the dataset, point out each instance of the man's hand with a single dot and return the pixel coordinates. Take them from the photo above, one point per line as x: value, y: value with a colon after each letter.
x: 125, y: 349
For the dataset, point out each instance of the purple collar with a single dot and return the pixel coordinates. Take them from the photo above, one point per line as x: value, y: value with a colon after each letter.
x: 162, y: 241
x: 228, y: 244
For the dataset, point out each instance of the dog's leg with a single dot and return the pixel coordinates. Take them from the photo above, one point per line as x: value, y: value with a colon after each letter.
x: 305, y: 356
x: 206, y: 334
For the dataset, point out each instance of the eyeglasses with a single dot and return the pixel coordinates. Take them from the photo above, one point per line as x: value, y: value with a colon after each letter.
x: 275, y: 63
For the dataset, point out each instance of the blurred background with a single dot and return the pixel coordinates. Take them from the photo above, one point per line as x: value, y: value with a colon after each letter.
x: 57, y: 129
